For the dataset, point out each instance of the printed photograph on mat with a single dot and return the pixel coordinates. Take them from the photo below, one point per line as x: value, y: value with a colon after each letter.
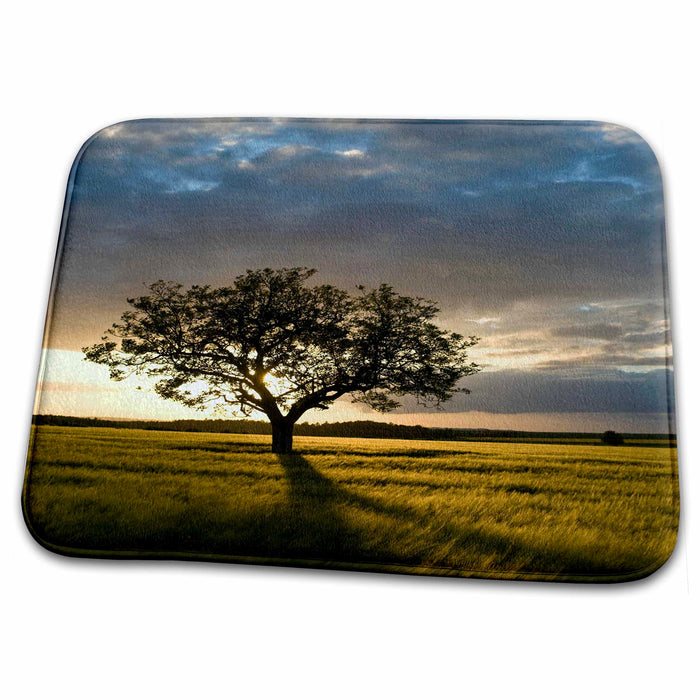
x: 402, y: 346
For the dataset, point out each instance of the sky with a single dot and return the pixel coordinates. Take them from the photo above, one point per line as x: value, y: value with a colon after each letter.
x: 544, y: 239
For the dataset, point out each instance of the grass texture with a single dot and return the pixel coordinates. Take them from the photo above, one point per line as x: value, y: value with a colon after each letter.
x: 486, y: 509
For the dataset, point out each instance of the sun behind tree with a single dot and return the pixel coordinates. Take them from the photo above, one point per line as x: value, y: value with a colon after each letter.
x: 271, y: 344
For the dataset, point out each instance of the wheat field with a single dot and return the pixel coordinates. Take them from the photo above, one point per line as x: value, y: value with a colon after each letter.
x: 485, y: 509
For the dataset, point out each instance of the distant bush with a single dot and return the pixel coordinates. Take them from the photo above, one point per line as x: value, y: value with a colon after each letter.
x: 610, y: 437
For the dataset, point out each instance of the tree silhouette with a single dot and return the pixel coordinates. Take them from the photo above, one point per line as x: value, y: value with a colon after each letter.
x: 271, y: 344
x: 610, y: 437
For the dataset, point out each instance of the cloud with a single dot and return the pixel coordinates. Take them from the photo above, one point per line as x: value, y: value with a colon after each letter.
x: 514, y: 391
x: 352, y: 153
x: 191, y: 185
x: 74, y: 387
x: 291, y: 150
x: 606, y: 331
x: 491, y: 320
x: 605, y: 359
x: 621, y: 135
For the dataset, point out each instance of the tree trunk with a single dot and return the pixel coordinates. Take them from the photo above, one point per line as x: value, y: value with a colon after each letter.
x: 282, y: 434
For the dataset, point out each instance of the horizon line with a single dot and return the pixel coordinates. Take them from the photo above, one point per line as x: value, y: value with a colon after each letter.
x: 670, y: 435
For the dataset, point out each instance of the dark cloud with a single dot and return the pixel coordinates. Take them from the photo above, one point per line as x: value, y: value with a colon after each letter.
x: 513, y: 391
x: 549, y: 334
x: 518, y: 210
x: 592, y: 330
x: 605, y: 359
x: 652, y: 339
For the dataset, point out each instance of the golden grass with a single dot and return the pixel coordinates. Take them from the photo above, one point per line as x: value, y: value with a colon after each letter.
x: 513, y: 510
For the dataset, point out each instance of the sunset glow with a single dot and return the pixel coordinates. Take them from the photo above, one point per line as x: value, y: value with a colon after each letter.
x: 545, y: 241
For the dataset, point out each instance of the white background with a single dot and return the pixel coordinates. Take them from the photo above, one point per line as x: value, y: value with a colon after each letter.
x: 85, y: 629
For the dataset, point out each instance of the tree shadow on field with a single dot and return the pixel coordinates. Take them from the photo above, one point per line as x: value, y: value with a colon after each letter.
x: 316, y: 527
x: 323, y: 528
x: 322, y: 523
x: 321, y: 511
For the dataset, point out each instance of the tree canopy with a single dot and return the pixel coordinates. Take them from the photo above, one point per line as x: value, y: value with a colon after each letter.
x: 271, y: 344
x: 610, y: 437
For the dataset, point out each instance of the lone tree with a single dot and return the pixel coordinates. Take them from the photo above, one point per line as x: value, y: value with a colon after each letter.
x: 610, y: 437
x: 273, y: 345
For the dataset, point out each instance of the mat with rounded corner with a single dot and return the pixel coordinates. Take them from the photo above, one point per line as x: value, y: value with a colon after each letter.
x: 434, y: 347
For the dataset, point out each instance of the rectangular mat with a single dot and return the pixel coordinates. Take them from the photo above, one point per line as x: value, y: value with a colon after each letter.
x: 435, y: 347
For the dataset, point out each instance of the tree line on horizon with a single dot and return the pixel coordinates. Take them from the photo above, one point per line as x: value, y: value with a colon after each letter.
x: 349, y: 429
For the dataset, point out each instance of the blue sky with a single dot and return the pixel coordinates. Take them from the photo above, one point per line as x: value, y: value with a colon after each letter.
x: 545, y: 239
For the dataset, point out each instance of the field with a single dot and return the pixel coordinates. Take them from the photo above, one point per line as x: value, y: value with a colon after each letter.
x: 507, y: 510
